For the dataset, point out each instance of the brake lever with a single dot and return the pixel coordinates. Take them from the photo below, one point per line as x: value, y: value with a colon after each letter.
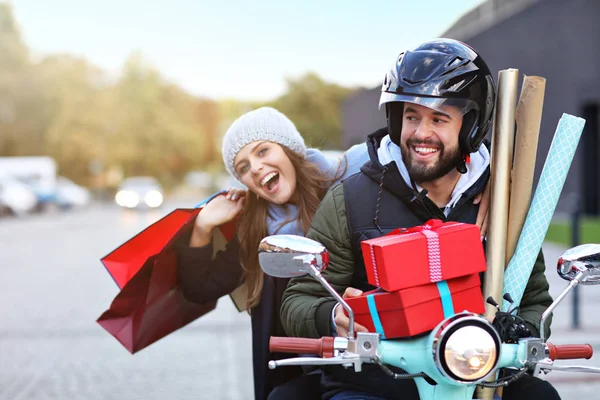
x: 348, y: 359
x: 546, y: 367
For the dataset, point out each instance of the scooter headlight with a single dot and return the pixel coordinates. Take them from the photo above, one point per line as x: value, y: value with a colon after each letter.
x: 470, y: 353
x: 467, y: 349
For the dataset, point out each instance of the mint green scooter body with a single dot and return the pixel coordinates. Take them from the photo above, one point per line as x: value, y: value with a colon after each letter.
x: 416, y: 356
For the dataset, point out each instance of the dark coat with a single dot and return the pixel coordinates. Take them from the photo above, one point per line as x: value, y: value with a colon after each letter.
x: 203, y: 279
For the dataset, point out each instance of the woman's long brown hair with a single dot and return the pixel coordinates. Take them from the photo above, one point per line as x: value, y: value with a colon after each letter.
x: 311, y: 187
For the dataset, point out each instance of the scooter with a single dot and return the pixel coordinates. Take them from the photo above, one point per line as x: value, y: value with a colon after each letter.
x: 459, y: 354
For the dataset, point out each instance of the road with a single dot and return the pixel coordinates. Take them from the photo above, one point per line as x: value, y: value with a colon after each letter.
x: 53, y: 288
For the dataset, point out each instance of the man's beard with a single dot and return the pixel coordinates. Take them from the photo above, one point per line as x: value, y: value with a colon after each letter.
x: 447, y: 160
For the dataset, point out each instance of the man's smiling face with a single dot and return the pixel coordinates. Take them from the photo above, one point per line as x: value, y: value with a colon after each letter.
x: 429, y: 141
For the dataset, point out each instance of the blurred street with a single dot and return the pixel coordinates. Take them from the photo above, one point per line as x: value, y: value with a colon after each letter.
x: 54, y: 287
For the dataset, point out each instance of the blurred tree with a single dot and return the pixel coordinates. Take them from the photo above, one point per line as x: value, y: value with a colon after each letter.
x: 208, y: 114
x: 75, y: 118
x: 315, y: 107
x: 159, y: 129
x: 15, y: 89
x: 14, y: 55
x: 139, y: 124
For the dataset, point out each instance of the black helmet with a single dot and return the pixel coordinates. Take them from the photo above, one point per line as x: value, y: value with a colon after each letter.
x: 442, y: 72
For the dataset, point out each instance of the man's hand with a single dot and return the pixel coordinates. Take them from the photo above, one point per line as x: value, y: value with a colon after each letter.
x: 341, y: 320
x: 483, y: 199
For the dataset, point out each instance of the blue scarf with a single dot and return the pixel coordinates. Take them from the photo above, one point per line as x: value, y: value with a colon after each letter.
x: 356, y: 156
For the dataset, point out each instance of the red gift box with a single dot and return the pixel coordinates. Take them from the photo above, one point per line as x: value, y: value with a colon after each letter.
x: 416, y: 310
x: 410, y: 257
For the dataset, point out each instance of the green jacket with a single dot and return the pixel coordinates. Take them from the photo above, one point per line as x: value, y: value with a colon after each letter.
x: 307, y: 307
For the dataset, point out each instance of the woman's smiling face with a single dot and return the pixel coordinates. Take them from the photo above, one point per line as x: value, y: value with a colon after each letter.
x: 267, y: 171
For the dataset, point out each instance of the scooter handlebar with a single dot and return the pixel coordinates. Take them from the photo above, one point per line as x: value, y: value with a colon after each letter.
x: 569, y: 351
x: 324, y: 347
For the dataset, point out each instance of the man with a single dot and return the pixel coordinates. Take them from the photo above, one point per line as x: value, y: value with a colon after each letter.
x: 428, y: 163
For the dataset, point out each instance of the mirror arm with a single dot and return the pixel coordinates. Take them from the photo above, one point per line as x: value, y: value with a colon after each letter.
x: 555, y: 303
x: 314, y: 272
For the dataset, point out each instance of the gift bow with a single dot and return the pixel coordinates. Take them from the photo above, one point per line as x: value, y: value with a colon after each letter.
x: 432, y: 224
x: 428, y: 229
x: 435, y: 262
x: 433, y: 252
x: 433, y: 246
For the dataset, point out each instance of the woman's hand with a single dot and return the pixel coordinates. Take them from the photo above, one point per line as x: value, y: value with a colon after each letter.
x: 235, y: 193
x: 483, y: 199
x: 218, y: 211
x: 342, y: 322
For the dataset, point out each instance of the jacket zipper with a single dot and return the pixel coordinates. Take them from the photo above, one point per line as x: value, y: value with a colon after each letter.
x: 433, y: 209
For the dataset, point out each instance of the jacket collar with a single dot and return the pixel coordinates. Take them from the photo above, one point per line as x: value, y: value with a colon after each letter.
x: 390, y: 178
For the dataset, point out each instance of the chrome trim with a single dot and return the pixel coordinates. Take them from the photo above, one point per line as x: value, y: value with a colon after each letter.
x: 464, y: 318
x: 367, y: 345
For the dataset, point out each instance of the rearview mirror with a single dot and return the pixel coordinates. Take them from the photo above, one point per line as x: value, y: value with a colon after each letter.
x: 582, y: 261
x: 287, y: 256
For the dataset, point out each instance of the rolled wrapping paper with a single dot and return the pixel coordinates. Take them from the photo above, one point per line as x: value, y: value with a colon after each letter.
x: 501, y: 163
x: 502, y: 150
x: 529, y: 119
x: 552, y: 179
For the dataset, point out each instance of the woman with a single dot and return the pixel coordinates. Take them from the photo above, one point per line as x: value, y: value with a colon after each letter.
x: 286, y: 182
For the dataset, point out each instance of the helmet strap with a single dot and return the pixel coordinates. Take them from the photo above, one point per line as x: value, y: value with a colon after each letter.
x: 467, y: 131
x: 461, y: 166
x: 394, y: 114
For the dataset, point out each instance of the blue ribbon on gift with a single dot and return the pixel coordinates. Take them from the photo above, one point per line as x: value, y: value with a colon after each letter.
x: 375, y: 315
x: 446, y: 297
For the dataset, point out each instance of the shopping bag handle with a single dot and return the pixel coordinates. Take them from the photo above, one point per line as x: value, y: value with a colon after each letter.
x: 209, y: 198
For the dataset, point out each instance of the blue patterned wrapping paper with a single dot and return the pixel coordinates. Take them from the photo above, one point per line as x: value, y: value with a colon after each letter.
x: 543, y: 204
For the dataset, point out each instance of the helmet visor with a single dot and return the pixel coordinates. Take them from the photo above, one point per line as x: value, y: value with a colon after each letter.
x: 434, y: 103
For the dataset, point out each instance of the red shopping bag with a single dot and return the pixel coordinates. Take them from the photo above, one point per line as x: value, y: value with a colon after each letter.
x: 151, y: 305
x: 126, y: 260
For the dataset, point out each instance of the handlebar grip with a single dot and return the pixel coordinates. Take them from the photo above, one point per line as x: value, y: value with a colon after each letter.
x: 323, y: 347
x: 569, y: 351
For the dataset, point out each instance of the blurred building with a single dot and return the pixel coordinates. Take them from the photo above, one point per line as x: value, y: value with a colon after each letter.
x: 556, y: 39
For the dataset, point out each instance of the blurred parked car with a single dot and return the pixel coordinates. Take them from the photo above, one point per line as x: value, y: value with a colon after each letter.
x: 139, y: 192
x: 37, y: 172
x: 69, y: 194
x: 16, y: 197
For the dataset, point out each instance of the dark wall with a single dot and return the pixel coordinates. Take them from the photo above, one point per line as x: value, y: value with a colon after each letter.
x: 556, y: 39
x: 560, y: 41
x: 361, y: 116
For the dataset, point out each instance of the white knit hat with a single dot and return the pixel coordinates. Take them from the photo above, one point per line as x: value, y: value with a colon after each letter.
x: 265, y: 123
